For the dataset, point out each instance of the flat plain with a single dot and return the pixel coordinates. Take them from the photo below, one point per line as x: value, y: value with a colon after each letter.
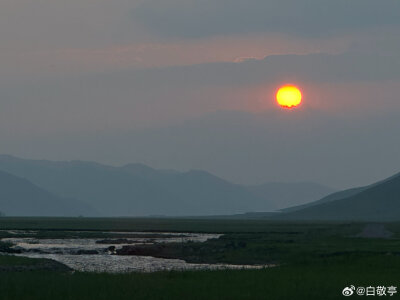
x: 310, y: 260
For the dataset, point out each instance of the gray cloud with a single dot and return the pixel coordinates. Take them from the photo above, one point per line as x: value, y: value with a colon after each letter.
x: 126, y: 99
x: 346, y: 67
x: 202, y: 18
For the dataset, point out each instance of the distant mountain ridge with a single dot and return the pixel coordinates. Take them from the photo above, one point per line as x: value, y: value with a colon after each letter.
x: 338, y: 195
x: 139, y: 190
x: 283, y: 195
x: 19, y: 197
x: 377, y: 202
x: 40, y: 187
x: 135, y: 190
x: 332, y: 197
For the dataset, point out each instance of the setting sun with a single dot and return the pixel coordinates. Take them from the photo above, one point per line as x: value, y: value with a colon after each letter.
x: 288, y: 96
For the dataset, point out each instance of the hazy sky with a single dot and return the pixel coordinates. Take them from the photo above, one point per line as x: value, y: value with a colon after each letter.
x: 187, y: 84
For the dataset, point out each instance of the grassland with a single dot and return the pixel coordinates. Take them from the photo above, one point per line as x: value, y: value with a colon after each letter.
x: 155, y: 224
x: 318, y: 280
x: 316, y: 261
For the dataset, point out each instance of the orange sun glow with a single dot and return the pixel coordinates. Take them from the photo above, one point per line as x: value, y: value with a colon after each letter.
x: 288, y: 96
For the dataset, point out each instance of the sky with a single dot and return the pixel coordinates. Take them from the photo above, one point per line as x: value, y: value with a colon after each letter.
x: 190, y: 84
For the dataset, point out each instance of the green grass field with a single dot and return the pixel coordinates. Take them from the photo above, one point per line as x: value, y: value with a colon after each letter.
x: 316, y: 261
x: 157, y: 224
x: 318, y: 280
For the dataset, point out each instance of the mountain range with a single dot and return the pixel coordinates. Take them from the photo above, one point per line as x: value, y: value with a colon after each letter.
x: 72, y: 188
x: 284, y: 195
x: 376, y: 202
x: 138, y: 190
x: 19, y: 197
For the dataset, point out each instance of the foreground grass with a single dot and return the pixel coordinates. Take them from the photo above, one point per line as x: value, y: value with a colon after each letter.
x: 322, y: 279
x: 9, y: 264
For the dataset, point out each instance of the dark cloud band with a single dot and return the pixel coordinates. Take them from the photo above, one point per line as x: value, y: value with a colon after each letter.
x: 202, y: 18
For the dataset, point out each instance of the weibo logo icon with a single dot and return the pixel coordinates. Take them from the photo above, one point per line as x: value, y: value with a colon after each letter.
x: 348, y: 291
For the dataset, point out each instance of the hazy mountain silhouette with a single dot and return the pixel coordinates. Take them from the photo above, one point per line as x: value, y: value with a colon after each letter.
x: 379, y: 202
x: 337, y: 195
x: 137, y: 190
x: 19, y: 197
x: 49, y: 187
x: 281, y: 195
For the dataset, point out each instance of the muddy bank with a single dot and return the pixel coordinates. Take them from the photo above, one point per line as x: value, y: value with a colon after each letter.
x: 211, y: 252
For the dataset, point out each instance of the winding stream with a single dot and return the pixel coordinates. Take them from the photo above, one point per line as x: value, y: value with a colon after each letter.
x: 93, y: 254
